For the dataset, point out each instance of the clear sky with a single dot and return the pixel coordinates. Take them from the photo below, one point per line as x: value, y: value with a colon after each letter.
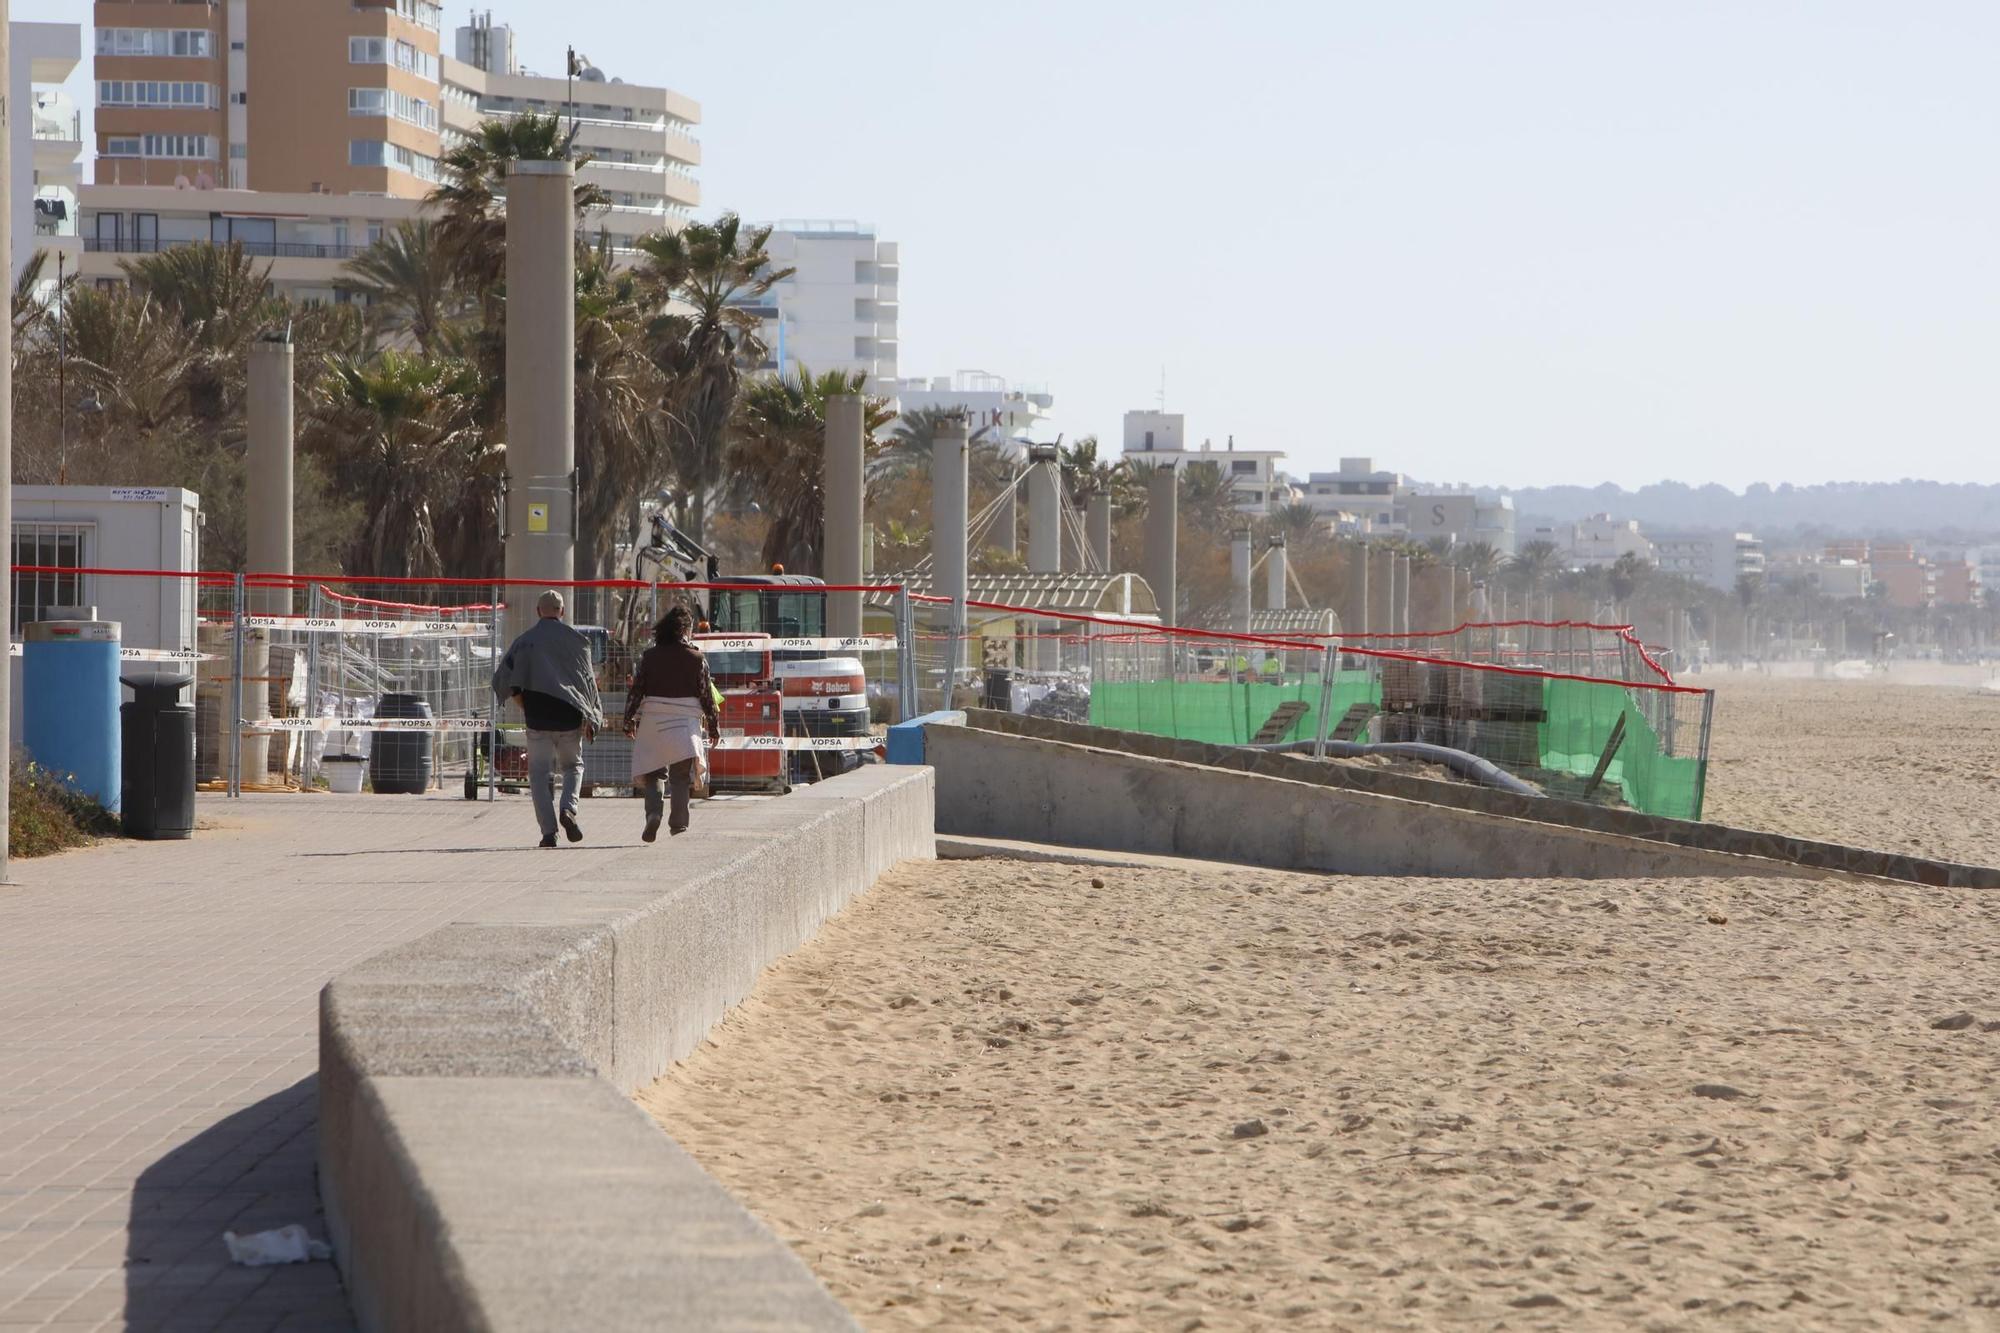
x: 1518, y: 242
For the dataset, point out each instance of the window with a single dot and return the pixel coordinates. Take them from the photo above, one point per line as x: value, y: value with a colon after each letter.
x: 388, y: 102
x: 1149, y: 439
x: 382, y: 51
x: 375, y: 153
x: 52, y: 546
x: 146, y: 92
x: 368, y: 50
x: 123, y: 146
x: 1243, y: 467
x: 178, y: 146
x: 198, y: 42
x: 423, y: 13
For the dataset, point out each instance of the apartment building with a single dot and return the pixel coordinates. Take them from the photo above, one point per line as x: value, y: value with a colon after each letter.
x: 1360, y: 499
x: 1717, y: 559
x: 301, y: 128
x: 643, y: 152
x: 1253, y: 474
x: 1601, y: 541
x: 1011, y: 414
x: 1460, y: 518
x: 838, y: 309
x: 45, y: 140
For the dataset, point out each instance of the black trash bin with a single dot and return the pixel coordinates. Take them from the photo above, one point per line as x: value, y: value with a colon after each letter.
x: 156, y: 736
x: 400, y: 762
x: 999, y: 694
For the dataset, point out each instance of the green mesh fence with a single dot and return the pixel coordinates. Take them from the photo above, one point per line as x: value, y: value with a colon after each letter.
x: 1581, y: 719
x: 1222, y: 712
x: 1559, y: 750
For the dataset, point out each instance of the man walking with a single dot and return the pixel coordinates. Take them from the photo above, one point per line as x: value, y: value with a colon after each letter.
x: 548, y: 669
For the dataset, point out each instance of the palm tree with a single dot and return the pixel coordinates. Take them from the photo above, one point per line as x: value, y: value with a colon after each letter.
x: 1298, y: 522
x: 1086, y: 476
x: 619, y: 452
x: 222, y: 298
x: 408, y: 277
x: 400, y: 435
x: 710, y: 268
x: 1536, y: 563
x: 1206, y: 496
x: 1627, y: 573
x: 1479, y: 559
x: 915, y: 439
x: 472, y: 227
x: 128, y: 353
x: 778, y: 451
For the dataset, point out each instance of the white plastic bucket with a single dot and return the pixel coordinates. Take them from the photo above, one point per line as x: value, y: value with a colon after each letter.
x: 343, y: 773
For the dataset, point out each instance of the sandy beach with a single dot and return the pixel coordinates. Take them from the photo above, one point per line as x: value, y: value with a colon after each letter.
x: 1000, y: 1094
x: 1906, y: 768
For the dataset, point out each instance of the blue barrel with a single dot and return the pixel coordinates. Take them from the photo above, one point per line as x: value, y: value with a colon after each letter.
x: 69, y: 704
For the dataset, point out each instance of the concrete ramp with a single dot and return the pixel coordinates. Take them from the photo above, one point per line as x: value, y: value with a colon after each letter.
x: 994, y: 785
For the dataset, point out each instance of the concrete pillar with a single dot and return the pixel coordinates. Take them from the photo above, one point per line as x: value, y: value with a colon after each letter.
x: 1163, y: 533
x: 1358, y: 598
x: 1239, y: 581
x: 1005, y: 534
x: 1097, y: 524
x: 1277, y: 577
x: 7, y: 677
x: 267, y: 498
x: 948, y: 521
x: 841, y: 483
x: 1044, y: 518
x: 541, y: 382
x: 267, y: 522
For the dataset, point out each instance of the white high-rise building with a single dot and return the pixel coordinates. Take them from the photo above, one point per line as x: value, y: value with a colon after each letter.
x: 642, y: 150
x: 837, y: 311
x: 46, y: 139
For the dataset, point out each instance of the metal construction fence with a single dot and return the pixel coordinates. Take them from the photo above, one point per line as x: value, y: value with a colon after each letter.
x: 308, y: 681
x: 304, y: 681
x: 1581, y: 712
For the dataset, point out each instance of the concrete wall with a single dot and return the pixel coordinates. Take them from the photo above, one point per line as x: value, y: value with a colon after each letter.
x: 994, y: 785
x: 480, y: 1160
x: 1803, y: 852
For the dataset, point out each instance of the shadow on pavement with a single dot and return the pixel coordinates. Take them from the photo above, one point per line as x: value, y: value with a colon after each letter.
x: 254, y: 1171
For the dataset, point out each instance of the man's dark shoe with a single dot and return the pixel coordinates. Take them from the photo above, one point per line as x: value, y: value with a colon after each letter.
x: 652, y: 832
x: 548, y: 840
x: 571, y: 827
x: 676, y: 832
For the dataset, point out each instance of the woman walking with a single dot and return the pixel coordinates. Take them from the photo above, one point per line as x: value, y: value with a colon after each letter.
x: 669, y: 712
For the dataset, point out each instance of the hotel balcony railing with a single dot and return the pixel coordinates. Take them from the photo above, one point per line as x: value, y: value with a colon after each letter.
x: 133, y: 245
x: 62, y: 131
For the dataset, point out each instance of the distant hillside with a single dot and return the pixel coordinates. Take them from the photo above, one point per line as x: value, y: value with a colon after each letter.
x: 1909, y: 509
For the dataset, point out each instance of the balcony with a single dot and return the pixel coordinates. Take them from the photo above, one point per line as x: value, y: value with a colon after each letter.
x: 133, y: 245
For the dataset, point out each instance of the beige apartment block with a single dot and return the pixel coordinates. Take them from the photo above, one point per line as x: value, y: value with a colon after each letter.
x: 303, y: 129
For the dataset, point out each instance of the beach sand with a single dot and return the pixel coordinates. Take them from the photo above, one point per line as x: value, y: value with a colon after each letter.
x: 997, y: 1094
x: 1905, y: 768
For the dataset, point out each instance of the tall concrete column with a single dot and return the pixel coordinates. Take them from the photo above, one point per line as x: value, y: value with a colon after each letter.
x: 1097, y: 525
x: 1389, y: 621
x: 7, y: 677
x: 1357, y: 597
x: 541, y: 382
x: 267, y: 498
x: 267, y: 523
x: 948, y: 521
x: 1163, y: 535
x: 1005, y: 534
x: 1045, y: 537
x: 1239, y: 581
x: 1277, y: 574
x: 841, y: 486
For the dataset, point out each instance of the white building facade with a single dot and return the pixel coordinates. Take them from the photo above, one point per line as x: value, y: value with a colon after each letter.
x: 838, y: 309
x: 1717, y: 559
x: 1601, y: 541
x: 1254, y: 475
x: 643, y: 153
x: 1459, y: 518
x: 1007, y: 414
x: 1361, y: 500
x: 45, y: 138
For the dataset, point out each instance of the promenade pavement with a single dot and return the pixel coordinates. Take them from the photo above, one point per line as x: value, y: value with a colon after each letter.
x: 159, y: 1040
